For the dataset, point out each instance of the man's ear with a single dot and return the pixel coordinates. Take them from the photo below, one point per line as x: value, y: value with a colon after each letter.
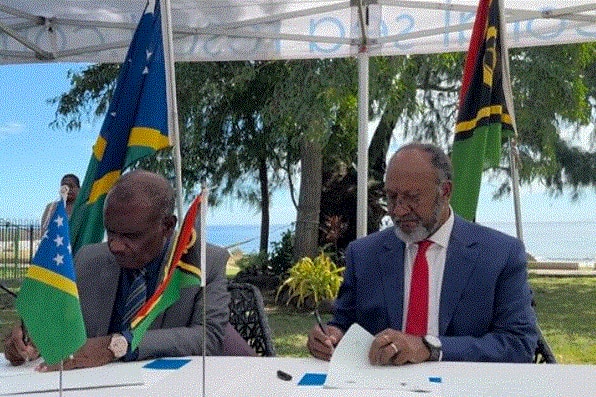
x: 447, y: 189
x: 170, y: 223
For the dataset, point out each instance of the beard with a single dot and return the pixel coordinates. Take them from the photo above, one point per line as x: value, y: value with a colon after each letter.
x: 424, y: 229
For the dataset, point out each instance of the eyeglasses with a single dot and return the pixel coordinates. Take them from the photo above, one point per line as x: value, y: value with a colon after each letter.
x: 403, y: 200
x: 408, y: 200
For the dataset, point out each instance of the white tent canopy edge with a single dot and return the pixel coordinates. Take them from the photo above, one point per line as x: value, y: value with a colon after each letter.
x: 220, y: 30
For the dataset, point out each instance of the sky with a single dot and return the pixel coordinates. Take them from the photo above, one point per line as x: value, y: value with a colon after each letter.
x: 34, y: 157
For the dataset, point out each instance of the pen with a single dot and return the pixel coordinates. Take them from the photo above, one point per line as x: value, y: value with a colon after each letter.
x: 319, y: 321
x: 283, y: 375
x: 26, y: 338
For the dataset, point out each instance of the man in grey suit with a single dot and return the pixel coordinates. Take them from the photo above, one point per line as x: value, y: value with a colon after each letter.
x: 139, y: 222
x: 476, y: 302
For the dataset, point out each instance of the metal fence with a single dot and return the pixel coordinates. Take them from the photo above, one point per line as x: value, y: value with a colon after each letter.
x: 18, y: 242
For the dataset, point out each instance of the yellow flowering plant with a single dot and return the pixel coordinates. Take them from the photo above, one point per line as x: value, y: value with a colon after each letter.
x: 313, y: 280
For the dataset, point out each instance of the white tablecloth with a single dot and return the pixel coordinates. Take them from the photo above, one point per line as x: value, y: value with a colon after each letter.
x: 242, y: 376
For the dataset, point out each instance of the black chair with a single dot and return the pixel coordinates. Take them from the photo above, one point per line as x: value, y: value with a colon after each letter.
x: 543, y: 353
x: 247, y: 316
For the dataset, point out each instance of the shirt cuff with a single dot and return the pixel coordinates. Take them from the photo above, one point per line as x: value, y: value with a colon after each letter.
x: 130, y: 355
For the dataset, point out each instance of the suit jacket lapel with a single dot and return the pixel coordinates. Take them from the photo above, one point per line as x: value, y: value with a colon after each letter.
x: 459, y: 265
x: 106, y: 296
x: 392, y: 265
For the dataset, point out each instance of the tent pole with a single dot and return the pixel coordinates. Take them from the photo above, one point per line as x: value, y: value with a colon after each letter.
x: 362, y: 167
x: 508, y: 94
x: 168, y: 46
x: 362, y: 181
x: 513, y: 158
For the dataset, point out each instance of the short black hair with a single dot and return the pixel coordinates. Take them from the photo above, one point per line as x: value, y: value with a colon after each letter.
x: 73, y: 177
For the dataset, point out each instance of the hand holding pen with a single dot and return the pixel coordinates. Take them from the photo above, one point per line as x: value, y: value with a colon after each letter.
x: 319, y: 321
x: 322, y: 339
x: 26, y: 339
x: 18, y: 347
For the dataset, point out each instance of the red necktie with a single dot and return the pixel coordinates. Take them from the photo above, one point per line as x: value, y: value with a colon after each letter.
x: 417, y: 320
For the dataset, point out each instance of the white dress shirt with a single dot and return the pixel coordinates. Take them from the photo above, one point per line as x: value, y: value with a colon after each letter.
x: 435, y: 255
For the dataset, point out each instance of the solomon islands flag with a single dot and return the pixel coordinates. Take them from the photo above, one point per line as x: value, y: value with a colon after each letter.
x: 48, y: 301
x: 484, y: 118
x: 136, y: 125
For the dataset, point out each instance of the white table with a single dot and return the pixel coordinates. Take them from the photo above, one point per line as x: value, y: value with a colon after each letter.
x: 242, y: 376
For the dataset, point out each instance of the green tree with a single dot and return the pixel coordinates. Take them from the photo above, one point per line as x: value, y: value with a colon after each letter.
x: 223, y: 137
x: 304, y: 112
x: 416, y: 97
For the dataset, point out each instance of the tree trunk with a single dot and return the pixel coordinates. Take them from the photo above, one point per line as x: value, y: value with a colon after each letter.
x: 264, y: 181
x: 309, y: 201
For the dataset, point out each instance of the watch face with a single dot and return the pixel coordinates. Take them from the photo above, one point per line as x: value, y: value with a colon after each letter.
x: 118, y: 345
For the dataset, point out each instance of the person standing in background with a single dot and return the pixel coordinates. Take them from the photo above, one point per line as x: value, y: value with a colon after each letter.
x: 70, y: 182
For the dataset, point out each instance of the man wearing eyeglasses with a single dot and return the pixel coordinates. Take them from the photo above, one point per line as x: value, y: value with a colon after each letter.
x: 435, y: 287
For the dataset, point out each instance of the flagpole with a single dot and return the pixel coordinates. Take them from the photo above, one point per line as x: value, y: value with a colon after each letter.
x: 168, y: 46
x: 513, y: 159
x: 362, y: 167
x: 63, y: 196
x: 203, y: 262
x: 513, y: 152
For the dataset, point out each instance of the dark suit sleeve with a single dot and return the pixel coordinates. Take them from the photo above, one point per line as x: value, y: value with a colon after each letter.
x: 344, y: 307
x: 504, y: 331
x: 179, y: 332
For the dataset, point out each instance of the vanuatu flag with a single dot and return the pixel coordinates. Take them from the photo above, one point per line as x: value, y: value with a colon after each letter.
x: 484, y: 117
x: 178, y: 274
x: 135, y: 126
x: 48, y: 301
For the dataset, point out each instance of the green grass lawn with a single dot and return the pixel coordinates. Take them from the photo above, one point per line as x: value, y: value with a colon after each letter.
x: 566, y: 309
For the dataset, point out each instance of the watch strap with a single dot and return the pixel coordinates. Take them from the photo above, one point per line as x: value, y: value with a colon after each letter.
x: 130, y: 354
x: 436, y: 352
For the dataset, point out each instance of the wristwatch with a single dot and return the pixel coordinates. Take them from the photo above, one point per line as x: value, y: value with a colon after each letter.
x: 118, y: 346
x: 433, y: 344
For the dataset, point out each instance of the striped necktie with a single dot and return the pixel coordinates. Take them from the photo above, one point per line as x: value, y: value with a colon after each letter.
x: 416, y: 323
x: 136, y: 297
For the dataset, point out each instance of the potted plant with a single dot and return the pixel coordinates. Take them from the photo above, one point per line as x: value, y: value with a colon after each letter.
x: 312, y: 280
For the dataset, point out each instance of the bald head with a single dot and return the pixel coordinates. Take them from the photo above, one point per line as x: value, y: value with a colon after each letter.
x: 138, y: 218
x: 431, y: 154
x: 146, y: 189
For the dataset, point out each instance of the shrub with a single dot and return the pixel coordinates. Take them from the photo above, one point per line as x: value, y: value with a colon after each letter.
x: 253, y: 263
x: 313, y: 280
x: 282, y: 253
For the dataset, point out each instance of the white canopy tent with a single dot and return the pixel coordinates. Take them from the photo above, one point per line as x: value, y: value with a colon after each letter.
x: 223, y: 30
x: 219, y: 30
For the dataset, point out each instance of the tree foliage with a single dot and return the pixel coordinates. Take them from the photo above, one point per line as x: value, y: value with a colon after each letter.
x: 246, y: 126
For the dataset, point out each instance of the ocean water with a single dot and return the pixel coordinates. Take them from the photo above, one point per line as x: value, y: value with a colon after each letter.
x: 546, y: 241
x: 243, y: 237
x: 556, y: 241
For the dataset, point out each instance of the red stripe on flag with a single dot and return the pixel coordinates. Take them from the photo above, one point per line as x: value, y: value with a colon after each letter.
x: 476, y: 43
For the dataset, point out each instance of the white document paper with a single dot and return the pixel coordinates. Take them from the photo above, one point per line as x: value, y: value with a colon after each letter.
x: 25, y: 380
x: 350, y: 368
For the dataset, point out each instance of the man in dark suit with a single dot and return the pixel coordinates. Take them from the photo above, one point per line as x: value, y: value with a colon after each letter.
x: 475, y: 303
x: 139, y: 222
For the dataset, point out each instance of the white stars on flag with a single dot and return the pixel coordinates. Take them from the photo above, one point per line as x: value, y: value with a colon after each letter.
x: 59, y: 221
x: 59, y: 240
x: 59, y: 259
x: 54, y: 251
